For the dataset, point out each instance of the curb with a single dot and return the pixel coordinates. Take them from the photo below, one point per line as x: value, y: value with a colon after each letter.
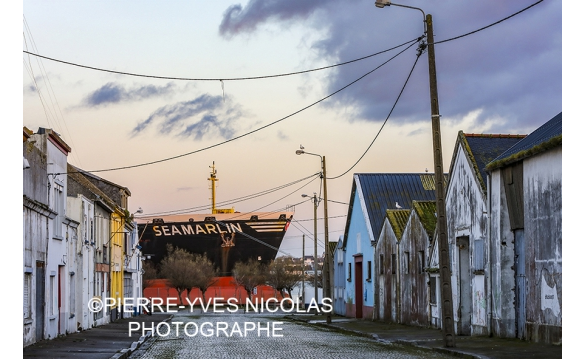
x: 125, y: 353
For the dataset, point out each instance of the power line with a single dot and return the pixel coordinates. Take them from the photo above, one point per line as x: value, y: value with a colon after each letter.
x: 490, y: 25
x: 232, y: 201
x: 259, y: 128
x: 50, y: 90
x: 218, y: 79
x: 386, y: 120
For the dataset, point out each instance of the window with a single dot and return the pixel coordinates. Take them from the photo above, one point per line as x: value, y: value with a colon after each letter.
x: 406, y: 262
x: 478, y: 256
x: 72, y: 293
x: 421, y: 262
x: 52, y: 297
x: 349, y: 272
x: 58, y: 206
x: 127, y: 285
x: 97, y: 284
x: 26, y: 295
x: 381, y: 266
x: 393, y: 264
x: 369, y: 279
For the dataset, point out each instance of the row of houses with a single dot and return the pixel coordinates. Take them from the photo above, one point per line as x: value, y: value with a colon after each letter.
x: 79, y: 242
x: 504, y: 224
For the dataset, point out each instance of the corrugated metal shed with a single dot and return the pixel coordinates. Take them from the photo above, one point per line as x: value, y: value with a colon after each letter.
x: 383, y: 191
x: 551, y: 130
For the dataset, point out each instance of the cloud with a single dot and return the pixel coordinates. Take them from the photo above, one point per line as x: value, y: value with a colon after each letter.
x: 203, y: 116
x: 112, y: 93
x: 239, y: 20
x: 512, y: 70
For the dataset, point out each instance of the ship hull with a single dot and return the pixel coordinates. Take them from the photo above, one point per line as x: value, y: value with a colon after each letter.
x: 224, y: 238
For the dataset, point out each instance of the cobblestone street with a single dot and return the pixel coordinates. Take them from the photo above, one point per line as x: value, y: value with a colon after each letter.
x: 297, y: 340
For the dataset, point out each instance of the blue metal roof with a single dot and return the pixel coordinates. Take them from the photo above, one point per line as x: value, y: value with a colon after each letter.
x: 383, y: 190
x: 551, y: 129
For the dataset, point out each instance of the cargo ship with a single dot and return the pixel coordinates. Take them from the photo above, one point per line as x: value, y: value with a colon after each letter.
x: 224, y: 235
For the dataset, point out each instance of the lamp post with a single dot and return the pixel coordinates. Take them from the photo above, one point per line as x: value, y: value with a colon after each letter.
x: 325, y: 273
x: 315, y: 204
x: 444, y: 259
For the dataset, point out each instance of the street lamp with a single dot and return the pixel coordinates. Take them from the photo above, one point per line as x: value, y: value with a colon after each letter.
x: 444, y: 260
x: 315, y: 204
x: 326, y: 286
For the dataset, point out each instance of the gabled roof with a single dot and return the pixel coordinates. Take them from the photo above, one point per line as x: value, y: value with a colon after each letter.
x: 398, y: 218
x: 382, y: 191
x: 545, y: 137
x: 75, y: 174
x: 481, y: 149
x: 427, y: 213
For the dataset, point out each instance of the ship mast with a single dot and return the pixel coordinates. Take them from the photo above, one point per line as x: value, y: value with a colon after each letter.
x: 213, y: 178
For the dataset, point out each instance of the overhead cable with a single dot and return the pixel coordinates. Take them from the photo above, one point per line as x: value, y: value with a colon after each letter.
x: 386, y: 120
x: 259, y: 128
x: 218, y: 79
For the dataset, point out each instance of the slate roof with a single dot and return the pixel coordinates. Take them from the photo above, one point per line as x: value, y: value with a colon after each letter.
x: 482, y: 149
x: 382, y: 191
x: 545, y: 137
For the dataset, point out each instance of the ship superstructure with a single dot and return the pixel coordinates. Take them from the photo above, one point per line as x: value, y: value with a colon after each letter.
x: 224, y: 235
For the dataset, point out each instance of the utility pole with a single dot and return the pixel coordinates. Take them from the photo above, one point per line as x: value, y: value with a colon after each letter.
x: 303, y: 269
x: 326, y: 278
x: 444, y: 258
x: 315, y: 259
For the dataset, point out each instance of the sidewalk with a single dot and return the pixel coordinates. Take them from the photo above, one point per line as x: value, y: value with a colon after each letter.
x: 104, y: 342
x: 432, y: 339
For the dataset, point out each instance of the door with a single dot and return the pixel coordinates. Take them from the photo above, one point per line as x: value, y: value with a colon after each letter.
x: 40, y: 300
x: 520, y: 278
x: 359, y: 287
x: 465, y: 295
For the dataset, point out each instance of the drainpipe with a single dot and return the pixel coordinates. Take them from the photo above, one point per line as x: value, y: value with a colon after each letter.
x: 489, y: 255
x: 398, y: 284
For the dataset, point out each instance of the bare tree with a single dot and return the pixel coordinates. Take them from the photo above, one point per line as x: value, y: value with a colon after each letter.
x: 206, y: 274
x: 180, y: 270
x: 149, y: 274
x: 283, y: 274
x: 249, y: 275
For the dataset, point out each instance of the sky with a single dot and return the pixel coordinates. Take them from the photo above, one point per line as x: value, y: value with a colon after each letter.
x: 234, y: 107
x: 506, y: 78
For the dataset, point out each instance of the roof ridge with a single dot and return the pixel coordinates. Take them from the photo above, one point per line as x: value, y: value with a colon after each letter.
x: 494, y: 135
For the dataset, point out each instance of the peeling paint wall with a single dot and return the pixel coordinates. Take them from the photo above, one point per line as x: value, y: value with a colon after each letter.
x: 36, y: 218
x: 502, y: 261
x: 386, y: 280
x: 467, y: 228
x: 414, y: 308
x: 543, y: 233
x: 542, y: 191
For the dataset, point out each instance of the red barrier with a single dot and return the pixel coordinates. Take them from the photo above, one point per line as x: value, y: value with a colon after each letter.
x: 224, y: 287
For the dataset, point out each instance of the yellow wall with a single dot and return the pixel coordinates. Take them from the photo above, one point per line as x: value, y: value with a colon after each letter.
x: 116, y: 257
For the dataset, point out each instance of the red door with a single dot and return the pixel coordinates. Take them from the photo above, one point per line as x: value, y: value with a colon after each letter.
x: 359, y: 287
